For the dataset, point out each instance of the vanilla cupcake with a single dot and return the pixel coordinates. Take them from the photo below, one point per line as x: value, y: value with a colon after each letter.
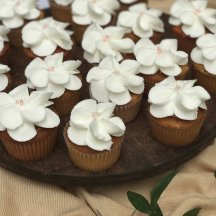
x: 46, y: 37
x: 28, y: 128
x: 142, y: 22
x: 118, y: 83
x: 177, y: 111
x: 86, y: 12
x: 14, y: 14
x: 5, y: 78
x: 204, y: 62
x: 98, y: 43
x: 61, y: 10
x: 93, y: 136
x: 160, y: 61
x: 191, y: 19
x: 60, y: 77
x: 125, y: 4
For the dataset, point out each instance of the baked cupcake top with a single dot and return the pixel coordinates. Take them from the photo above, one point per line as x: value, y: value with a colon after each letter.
x: 85, y: 12
x: 205, y: 52
x: 14, y: 12
x: 44, y: 36
x: 93, y: 125
x: 141, y: 21
x: 3, y: 36
x: 193, y: 16
x: 98, y: 43
x: 113, y: 81
x: 63, y: 2
x: 53, y: 75
x: 178, y: 98
x: 21, y: 112
x: 3, y: 77
x: 162, y: 57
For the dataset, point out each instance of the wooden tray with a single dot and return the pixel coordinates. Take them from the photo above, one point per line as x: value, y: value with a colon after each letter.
x: 141, y: 156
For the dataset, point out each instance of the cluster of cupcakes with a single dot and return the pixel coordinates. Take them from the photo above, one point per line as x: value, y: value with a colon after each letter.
x: 128, y: 62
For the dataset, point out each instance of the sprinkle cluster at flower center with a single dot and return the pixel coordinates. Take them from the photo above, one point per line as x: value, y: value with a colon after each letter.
x: 197, y: 11
x: 105, y: 38
x: 20, y: 102
x: 178, y: 87
x: 51, y: 69
x: 159, y: 51
x: 116, y: 72
x: 17, y: 3
x: 95, y: 115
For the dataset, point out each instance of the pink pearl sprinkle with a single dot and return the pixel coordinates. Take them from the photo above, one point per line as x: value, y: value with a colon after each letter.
x: 95, y: 115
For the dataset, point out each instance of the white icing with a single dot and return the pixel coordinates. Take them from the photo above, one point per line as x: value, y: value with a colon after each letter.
x: 21, y: 112
x: 113, y: 81
x: 3, y: 77
x: 178, y: 98
x: 194, y: 16
x: 63, y: 2
x: 142, y: 21
x: 44, y: 36
x: 14, y: 12
x: 128, y: 1
x: 163, y: 57
x: 98, y: 43
x: 93, y: 125
x: 205, y: 52
x: 53, y: 75
x: 3, y: 36
x: 86, y: 12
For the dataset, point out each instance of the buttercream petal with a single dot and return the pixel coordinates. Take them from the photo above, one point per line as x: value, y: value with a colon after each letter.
x: 123, y: 45
x: 20, y: 92
x: 33, y: 14
x: 207, y: 40
x: 136, y: 89
x: 144, y: 43
x: 89, y: 103
x: 120, y: 98
x: 130, y: 66
x: 161, y: 111
x: 198, y: 91
x: 3, y: 82
x: 113, y: 84
x: 59, y: 77
x: 163, y: 60
x: 148, y: 69
x: 171, y: 71
x: 6, y: 100
x: 187, y: 18
x: 190, y: 102
x: 126, y: 19
x: 39, y: 78
x: 39, y: 98
x: 209, y: 53
x: 196, y: 55
x: 71, y: 66
x: 210, y: 66
x: 13, y: 22
x: 89, y: 41
x: 146, y: 57
x: 54, y: 60
x: 106, y: 109
x: 97, y: 73
x: 105, y: 48
x: 74, y: 83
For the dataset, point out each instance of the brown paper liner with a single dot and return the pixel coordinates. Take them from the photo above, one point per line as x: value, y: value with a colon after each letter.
x: 91, y: 160
x: 205, y: 79
x: 129, y: 111
x: 35, y: 149
x: 9, y: 86
x: 60, y: 13
x: 15, y: 35
x: 151, y: 80
x: 172, y: 131
x: 4, y: 55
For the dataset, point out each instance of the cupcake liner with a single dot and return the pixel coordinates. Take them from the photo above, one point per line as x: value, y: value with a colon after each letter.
x: 129, y: 111
x: 60, y: 13
x: 205, y: 79
x: 184, y: 134
x: 4, y: 55
x: 35, y: 149
x: 91, y: 160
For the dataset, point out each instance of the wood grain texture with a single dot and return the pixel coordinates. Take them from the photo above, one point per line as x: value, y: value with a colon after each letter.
x: 141, y: 155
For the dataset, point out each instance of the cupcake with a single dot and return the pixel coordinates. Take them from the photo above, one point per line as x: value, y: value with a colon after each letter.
x: 118, y: 83
x: 177, y: 111
x: 191, y: 19
x: 93, y: 136
x: 142, y: 22
x: 98, y: 43
x: 204, y: 62
x: 60, y: 77
x: 61, y: 10
x: 125, y: 4
x: 4, y: 44
x: 14, y: 14
x: 5, y: 78
x: 46, y: 37
x: 28, y: 128
x: 160, y: 61
x: 86, y: 12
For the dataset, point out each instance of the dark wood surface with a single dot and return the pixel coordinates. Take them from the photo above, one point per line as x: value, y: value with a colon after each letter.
x: 141, y: 156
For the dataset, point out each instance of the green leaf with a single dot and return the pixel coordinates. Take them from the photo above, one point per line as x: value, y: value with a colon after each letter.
x: 160, y: 187
x: 157, y: 211
x: 139, y: 202
x: 193, y: 212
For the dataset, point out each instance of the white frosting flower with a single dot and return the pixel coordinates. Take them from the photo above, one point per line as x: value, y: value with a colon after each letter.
x: 98, y: 43
x: 163, y: 57
x: 193, y: 16
x: 3, y: 78
x: 3, y: 36
x: 113, y: 81
x: 14, y: 12
x: 128, y: 1
x: 44, y: 36
x: 177, y: 98
x: 93, y: 125
x: 21, y: 112
x: 205, y: 52
x: 53, y: 75
x: 141, y: 21
x: 85, y: 12
x: 63, y: 2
